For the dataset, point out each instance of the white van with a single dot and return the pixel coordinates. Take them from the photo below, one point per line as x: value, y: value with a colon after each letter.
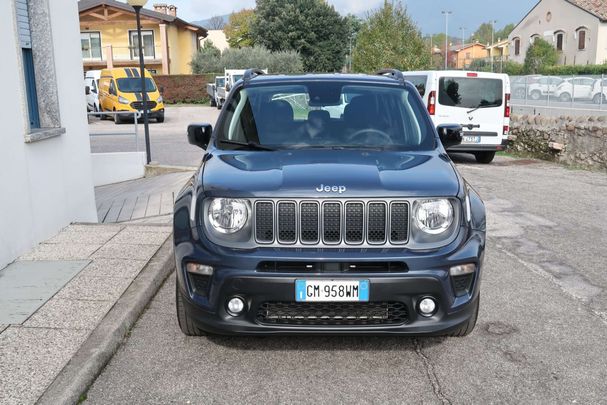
x: 479, y: 101
x: 91, y: 84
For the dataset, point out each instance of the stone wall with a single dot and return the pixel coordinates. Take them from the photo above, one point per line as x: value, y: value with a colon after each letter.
x: 576, y: 141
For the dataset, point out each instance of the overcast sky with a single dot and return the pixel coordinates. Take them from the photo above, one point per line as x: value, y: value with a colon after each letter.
x: 426, y: 13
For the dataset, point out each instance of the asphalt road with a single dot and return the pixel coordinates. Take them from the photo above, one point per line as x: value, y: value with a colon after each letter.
x: 540, y: 336
x: 168, y: 140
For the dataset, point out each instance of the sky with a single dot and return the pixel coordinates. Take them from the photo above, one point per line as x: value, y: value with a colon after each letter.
x: 468, y: 14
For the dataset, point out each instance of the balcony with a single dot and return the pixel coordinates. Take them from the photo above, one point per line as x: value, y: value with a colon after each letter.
x: 119, y: 56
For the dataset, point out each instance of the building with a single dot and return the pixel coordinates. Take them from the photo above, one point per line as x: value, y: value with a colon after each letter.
x: 218, y: 39
x: 108, y: 35
x: 466, y: 54
x: 576, y: 28
x: 45, y: 160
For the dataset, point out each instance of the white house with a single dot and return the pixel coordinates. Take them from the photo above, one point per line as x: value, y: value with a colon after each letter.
x: 218, y: 38
x: 576, y: 28
x: 45, y: 161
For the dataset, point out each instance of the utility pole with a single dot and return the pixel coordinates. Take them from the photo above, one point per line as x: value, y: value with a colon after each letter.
x: 446, y: 13
x: 492, y: 40
x: 463, y: 30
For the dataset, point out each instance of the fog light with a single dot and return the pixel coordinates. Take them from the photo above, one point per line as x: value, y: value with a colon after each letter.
x: 462, y: 269
x: 198, y: 268
x: 235, y: 306
x: 427, y: 307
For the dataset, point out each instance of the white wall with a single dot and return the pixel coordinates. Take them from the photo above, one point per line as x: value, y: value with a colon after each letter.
x: 48, y: 184
x: 568, y: 18
x: 109, y: 168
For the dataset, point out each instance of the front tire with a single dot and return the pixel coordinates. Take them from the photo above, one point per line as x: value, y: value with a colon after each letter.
x: 160, y: 118
x: 597, y: 98
x: 183, y: 317
x: 484, y: 157
x: 468, y: 327
x: 536, y: 95
x: 565, y: 97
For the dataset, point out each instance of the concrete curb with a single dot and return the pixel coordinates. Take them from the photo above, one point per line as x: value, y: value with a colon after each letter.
x: 88, y: 362
x: 154, y: 169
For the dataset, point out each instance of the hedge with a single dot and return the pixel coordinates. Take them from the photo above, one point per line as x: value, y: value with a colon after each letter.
x: 513, y: 68
x: 184, y: 88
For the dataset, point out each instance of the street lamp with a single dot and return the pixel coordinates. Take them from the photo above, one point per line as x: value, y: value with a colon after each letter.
x: 492, y: 40
x: 446, y: 13
x: 137, y: 5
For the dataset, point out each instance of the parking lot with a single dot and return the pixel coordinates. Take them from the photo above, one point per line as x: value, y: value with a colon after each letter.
x: 540, y: 336
x: 169, y: 144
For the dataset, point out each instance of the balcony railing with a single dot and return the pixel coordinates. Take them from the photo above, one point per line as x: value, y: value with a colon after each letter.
x: 124, y: 54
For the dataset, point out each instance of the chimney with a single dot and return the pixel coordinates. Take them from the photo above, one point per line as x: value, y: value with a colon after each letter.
x: 172, y: 10
x: 160, y: 8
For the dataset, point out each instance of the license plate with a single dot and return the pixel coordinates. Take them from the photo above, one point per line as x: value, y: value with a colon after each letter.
x: 331, y: 290
x: 471, y: 139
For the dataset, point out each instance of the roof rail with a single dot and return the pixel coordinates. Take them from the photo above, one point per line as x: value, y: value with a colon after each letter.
x: 393, y: 73
x: 251, y: 73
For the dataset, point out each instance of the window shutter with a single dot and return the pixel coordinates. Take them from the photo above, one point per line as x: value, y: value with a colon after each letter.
x: 23, y: 24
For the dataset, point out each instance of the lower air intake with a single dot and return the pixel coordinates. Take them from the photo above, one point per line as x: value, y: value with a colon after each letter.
x: 332, y: 313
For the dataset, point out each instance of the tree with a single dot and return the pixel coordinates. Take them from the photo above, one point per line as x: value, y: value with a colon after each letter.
x: 353, y: 26
x: 504, y: 32
x: 483, y: 34
x: 216, y: 23
x: 390, y: 39
x: 242, y: 58
x: 311, y: 27
x: 238, y: 28
x: 540, y: 55
x: 207, y: 59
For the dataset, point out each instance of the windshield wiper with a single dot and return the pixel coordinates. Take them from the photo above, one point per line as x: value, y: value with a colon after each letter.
x: 483, y: 106
x: 251, y: 145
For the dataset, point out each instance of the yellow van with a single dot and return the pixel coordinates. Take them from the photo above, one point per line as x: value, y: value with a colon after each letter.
x: 120, y: 90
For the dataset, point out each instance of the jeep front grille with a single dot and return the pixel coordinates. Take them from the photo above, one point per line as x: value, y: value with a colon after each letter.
x: 331, y: 222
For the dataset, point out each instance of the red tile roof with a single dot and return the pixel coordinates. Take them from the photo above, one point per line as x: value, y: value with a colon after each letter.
x: 597, y: 8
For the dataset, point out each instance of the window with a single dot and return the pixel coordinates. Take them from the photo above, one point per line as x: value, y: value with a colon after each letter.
x: 90, y: 42
x: 326, y: 115
x: 533, y: 38
x: 559, y: 41
x: 25, y: 40
x: 112, y: 88
x: 147, y: 36
x: 467, y: 92
x: 581, y: 39
x: 419, y: 82
x: 517, y: 46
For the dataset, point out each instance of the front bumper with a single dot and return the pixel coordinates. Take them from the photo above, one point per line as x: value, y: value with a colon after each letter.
x: 236, y: 274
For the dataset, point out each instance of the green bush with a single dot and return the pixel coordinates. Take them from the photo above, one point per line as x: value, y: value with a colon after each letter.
x: 575, y: 70
x: 540, y: 55
x: 514, y: 68
x: 243, y: 58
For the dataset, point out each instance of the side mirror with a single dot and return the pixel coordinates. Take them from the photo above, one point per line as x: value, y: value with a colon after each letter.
x: 450, y: 134
x: 87, y: 90
x: 161, y: 88
x: 200, y: 134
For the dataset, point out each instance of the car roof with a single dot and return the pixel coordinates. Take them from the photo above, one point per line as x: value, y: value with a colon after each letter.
x: 333, y: 77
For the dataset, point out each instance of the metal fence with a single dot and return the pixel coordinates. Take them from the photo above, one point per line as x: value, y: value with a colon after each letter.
x: 559, y: 95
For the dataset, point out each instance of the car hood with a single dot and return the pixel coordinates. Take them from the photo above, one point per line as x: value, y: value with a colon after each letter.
x: 347, y: 173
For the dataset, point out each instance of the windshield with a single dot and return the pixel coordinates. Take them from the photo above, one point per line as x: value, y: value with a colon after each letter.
x: 236, y: 78
x: 469, y: 92
x: 220, y: 82
x: 133, y: 84
x: 327, y: 114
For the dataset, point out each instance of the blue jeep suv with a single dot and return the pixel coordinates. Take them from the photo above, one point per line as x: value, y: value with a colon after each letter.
x: 327, y: 204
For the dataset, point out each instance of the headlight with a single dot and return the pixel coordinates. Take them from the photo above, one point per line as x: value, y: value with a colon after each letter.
x: 160, y: 100
x: 227, y: 215
x: 123, y: 100
x: 433, y: 216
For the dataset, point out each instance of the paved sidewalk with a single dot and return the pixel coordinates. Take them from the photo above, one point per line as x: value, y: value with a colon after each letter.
x: 140, y: 199
x: 35, y: 347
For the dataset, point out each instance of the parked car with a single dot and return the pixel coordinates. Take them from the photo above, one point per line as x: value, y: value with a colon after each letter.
x: 231, y: 77
x: 478, y: 101
x: 307, y: 223
x: 91, y: 85
x: 599, y: 91
x: 543, y: 87
x: 120, y: 90
x: 519, y: 85
x: 578, y: 88
x: 213, y: 91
